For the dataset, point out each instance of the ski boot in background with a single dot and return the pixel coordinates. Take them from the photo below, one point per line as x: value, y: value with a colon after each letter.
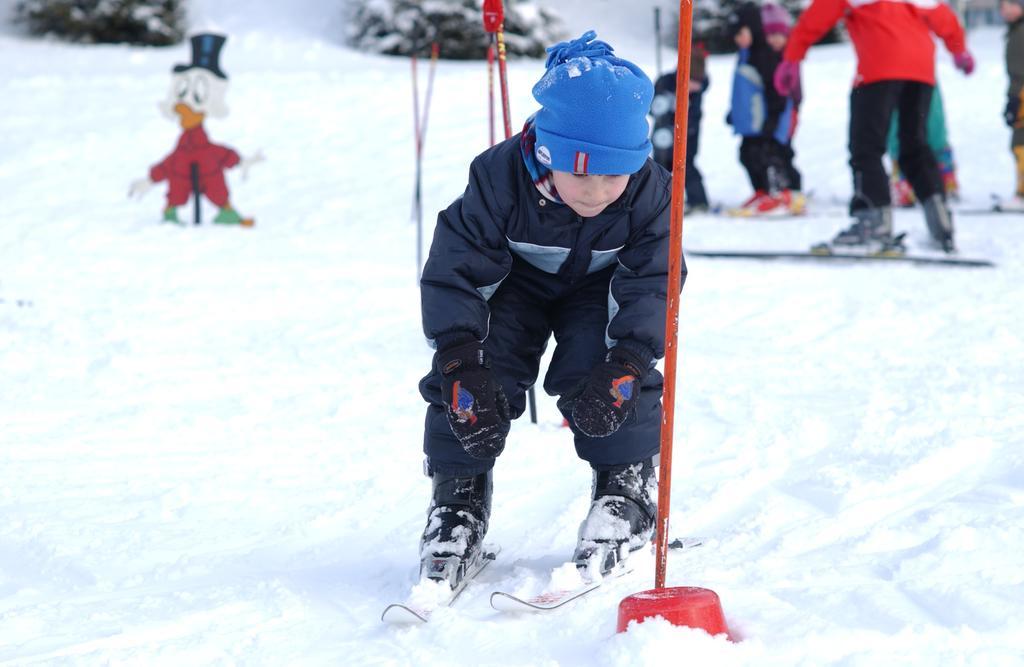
x: 900, y: 192
x: 452, y: 542
x: 622, y: 516
x: 759, y: 203
x: 939, y: 221
x: 794, y: 201
x: 1015, y: 203
x: 870, y: 231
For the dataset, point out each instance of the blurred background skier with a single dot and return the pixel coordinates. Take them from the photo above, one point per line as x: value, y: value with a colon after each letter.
x: 1013, y: 14
x: 663, y: 110
x: 895, y: 71
x: 764, y: 118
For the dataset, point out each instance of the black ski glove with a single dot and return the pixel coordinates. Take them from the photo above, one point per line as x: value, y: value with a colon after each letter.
x: 1012, y: 110
x: 477, y: 409
x: 602, y: 402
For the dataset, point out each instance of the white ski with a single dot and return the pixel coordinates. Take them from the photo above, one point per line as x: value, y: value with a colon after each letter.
x: 550, y: 600
x: 555, y: 599
x: 424, y: 601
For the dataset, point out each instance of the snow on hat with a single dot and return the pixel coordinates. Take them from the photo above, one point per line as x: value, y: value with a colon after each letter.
x: 775, y: 19
x: 593, y: 117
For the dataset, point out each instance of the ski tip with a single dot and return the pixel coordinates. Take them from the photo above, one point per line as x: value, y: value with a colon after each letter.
x: 499, y: 597
x: 400, y: 614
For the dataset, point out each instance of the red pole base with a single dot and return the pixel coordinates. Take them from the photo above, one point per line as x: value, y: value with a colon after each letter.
x: 681, y: 605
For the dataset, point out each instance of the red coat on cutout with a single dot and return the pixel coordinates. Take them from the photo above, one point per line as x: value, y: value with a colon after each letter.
x: 194, y: 147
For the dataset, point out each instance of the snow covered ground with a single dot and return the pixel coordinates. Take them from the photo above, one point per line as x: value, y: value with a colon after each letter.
x: 210, y: 437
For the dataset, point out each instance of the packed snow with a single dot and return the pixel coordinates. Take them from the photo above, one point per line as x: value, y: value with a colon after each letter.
x: 210, y: 437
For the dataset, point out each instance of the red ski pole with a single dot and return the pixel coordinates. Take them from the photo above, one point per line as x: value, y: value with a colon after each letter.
x: 490, y: 88
x: 494, y: 20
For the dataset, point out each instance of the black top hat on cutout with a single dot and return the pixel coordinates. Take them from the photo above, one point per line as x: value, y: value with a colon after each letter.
x: 205, y: 54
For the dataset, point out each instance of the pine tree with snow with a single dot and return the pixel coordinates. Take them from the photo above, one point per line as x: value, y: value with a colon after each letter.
x: 148, y: 22
x: 405, y: 27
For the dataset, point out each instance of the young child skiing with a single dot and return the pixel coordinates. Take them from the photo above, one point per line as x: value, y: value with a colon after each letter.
x: 1013, y: 13
x: 563, y: 229
x: 895, y: 71
x: 765, y: 119
x: 663, y: 109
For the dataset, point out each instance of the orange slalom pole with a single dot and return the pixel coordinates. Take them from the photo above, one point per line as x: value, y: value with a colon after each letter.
x: 675, y: 270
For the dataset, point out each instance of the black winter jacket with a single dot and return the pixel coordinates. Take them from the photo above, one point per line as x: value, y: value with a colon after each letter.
x: 763, y: 58
x: 502, y: 213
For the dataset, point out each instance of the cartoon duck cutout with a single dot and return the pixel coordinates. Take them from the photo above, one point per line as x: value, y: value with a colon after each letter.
x: 197, y: 92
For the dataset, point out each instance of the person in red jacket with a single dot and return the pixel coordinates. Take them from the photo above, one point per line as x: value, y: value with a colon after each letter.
x: 895, y: 72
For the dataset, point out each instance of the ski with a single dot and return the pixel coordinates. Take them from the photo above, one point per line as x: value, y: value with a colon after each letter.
x: 553, y: 599
x: 995, y: 210
x: 808, y: 213
x: 841, y: 257
x: 433, y: 593
x: 997, y: 205
x: 558, y: 598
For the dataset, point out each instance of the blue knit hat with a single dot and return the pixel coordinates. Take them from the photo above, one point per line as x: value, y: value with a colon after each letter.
x: 593, y: 118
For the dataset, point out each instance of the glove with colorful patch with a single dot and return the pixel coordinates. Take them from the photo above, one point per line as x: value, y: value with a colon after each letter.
x: 602, y: 402
x: 476, y: 407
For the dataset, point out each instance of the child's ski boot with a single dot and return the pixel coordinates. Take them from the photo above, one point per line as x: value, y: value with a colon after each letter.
x: 794, y: 201
x: 759, y: 203
x: 621, y: 519
x: 452, y: 542
x: 870, y: 233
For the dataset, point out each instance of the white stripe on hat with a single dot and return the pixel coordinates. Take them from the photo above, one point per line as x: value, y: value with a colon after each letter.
x: 580, y: 164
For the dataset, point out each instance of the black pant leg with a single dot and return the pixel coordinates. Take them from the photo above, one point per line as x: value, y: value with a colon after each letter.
x: 871, y: 107
x: 579, y: 321
x: 782, y: 175
x: 754, y: 160
x: 916, y: 159
x: 792, y: 177
x: 518, y: 333
x: 695, y: 194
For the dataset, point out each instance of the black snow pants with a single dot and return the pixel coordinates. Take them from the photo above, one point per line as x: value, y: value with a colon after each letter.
x: 769, y: 164
x: 526, y: 310
x: 871, y: 109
